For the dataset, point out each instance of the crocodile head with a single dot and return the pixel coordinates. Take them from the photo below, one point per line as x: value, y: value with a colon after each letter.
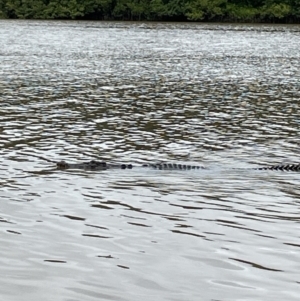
x: 91, y: 165
x: 62, y: 165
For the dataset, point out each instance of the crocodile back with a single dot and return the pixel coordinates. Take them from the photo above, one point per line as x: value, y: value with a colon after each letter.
x: 173, y: 166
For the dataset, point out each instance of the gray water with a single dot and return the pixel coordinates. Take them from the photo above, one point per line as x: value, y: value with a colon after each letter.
x: 221, y: 96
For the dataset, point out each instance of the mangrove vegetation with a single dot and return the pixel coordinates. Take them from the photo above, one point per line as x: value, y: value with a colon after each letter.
x: 284, y: 11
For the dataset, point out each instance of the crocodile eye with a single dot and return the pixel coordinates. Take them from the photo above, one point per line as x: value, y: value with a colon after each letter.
x: 62, y: 165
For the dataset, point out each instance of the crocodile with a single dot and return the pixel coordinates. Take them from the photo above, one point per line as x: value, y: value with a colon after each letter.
x: 101, y: 165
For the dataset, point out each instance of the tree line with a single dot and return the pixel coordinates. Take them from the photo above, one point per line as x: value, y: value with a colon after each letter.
x: 284, y: 11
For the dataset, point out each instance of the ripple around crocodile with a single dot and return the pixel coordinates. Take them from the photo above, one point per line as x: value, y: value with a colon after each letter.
x: 98, y: 165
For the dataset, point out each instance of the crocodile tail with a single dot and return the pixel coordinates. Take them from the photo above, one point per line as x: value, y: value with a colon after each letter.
x: 284, y: 167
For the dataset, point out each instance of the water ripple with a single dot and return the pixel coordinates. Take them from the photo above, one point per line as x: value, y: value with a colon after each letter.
x: 220, y: 96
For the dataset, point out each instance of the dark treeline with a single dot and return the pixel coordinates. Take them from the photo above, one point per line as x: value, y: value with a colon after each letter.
x: 155, y: 10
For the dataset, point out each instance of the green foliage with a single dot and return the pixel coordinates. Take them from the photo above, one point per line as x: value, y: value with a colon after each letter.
x: 157, y: 9
x: 137, y: 8
x: 64, y: 9
x: 25, y: 9
x: 175, y: 8
x: 241, y: 13
x: 98, y: 9
x: 2, y: 9
x: 249, y: 3
x: 193, y: 10
x: 121, y: 10
x: 205, y: 9
x: 276, y: 11
x: 295, y: 6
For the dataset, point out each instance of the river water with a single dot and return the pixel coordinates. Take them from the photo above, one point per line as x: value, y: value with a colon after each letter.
x: 221, y: 96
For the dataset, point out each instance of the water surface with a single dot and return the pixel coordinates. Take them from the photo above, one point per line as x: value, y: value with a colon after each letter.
x: 221, y: 96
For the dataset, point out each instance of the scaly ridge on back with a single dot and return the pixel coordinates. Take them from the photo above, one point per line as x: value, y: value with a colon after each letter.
x: 284, y: 167
x: 173, y: 166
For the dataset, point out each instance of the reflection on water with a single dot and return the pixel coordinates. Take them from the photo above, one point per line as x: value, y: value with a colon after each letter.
x: 219, y: 95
